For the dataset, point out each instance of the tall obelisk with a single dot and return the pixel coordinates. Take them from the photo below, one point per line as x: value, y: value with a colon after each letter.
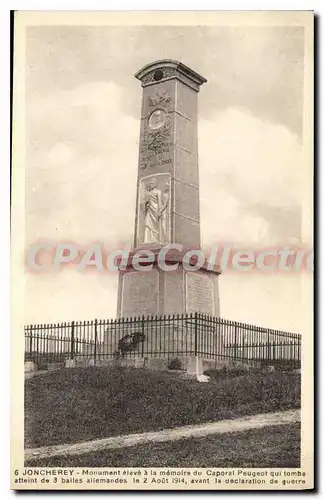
x: 167, y: 206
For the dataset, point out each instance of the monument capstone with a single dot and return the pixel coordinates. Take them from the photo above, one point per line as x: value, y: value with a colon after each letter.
x: 167, y: 201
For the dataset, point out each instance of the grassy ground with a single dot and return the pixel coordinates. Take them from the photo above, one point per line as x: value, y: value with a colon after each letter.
x: 74, y: 405
x: 277, y: 446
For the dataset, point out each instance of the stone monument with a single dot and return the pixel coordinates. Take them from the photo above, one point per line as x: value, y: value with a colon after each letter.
x: 167, y: 206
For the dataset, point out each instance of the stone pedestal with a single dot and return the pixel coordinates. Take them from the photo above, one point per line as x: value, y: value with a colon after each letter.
x: 195, y: 366
x: 70, y: 363
x: 30, y: 366
x: 159, y: 292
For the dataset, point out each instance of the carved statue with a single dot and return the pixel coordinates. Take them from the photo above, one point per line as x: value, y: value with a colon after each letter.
x: 155, y: 203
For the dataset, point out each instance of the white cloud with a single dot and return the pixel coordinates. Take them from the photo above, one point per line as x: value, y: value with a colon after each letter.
x: 268, y: 300
x: 249, y: 170
x: 70, y: 295
x: 85, y: 181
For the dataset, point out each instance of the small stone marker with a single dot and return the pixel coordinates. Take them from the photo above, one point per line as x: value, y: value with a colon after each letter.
x: 69, y: 363
x: 30, y: 366
x: 195, y: 366
x: 203, y: 378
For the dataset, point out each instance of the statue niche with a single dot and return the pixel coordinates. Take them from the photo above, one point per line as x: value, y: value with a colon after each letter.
x: 154, y: 218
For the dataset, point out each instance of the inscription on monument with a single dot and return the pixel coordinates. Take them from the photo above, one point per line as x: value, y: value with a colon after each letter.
x: 140, y: 293
x: 199, y: 293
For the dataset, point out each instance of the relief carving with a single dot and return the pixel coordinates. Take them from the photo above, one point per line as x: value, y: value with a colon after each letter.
x: 156, y: 139
x: 159, y: 98
x: 154, y: 209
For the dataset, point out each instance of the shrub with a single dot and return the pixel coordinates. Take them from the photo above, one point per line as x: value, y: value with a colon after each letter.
x: 175, y: 364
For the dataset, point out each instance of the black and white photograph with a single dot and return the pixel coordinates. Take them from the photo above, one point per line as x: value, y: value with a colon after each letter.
x: 162, y: 207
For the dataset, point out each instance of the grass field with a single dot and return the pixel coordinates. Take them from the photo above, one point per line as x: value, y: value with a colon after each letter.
x: 277, y: 446
x: 73, y: 405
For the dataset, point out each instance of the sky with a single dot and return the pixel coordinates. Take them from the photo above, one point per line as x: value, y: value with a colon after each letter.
x: 82, y: 121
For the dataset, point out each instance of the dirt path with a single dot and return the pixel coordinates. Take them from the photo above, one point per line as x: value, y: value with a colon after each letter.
x: 200, y: 430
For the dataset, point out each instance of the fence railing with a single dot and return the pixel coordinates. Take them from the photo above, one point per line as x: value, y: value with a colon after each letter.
x: 161, y: 336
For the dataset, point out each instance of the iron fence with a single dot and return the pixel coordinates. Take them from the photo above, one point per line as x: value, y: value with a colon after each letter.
x: 170, y: 337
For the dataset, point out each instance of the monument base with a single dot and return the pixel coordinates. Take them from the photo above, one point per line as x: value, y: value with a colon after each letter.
x: 161, y: 292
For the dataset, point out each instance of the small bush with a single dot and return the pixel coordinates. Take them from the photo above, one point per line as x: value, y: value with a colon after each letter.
x: 175, y: 364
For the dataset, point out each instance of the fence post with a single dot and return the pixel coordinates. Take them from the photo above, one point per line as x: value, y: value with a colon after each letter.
x: 143, y: 337
x: 95, y: 341
x: 72, y: 340
x: 196, y: 333
x: 31, y: 342
x: 235, y: 341
x: 37, y: 345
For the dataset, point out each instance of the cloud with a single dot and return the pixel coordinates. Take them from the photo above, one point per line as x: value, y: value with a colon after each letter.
x: 259, y: 67
x: 250, y: 180
x: 268, y: 300
x: 81, y: 173
x: 69, y: 295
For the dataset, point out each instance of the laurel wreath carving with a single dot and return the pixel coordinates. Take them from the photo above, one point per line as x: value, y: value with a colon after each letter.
x: 160, y: 98
x: 153, y: 142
